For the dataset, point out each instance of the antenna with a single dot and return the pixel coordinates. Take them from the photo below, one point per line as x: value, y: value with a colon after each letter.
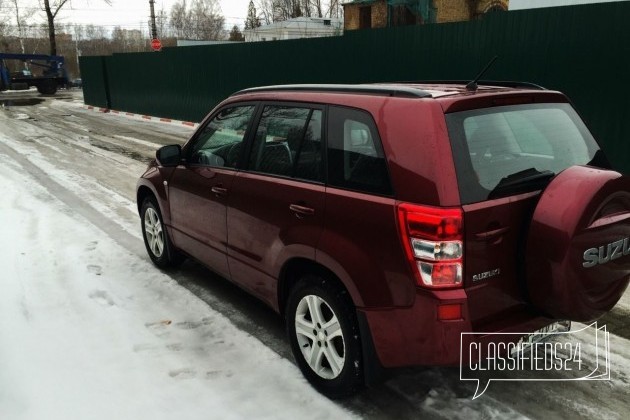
x: 473, y: 84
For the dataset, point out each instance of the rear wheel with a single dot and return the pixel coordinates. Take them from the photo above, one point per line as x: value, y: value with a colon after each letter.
x: 324, y: 335
x: 156, y: 240
x: 47, y: 87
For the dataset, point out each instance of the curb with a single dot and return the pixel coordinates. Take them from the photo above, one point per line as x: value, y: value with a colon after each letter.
x: 140, y: 116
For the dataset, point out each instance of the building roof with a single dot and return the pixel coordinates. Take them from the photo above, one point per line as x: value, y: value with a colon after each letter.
x: 299, y: 22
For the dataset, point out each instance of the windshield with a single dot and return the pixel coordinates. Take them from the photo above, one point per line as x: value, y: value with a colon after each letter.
x: 491, y: 144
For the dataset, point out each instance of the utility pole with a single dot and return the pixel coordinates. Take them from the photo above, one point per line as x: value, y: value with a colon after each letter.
x: 153, y: 27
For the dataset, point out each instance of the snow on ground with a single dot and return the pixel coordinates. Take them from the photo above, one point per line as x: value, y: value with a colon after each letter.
x: 91, y: 331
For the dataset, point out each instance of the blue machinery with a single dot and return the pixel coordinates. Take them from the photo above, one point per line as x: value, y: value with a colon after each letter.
x: 53, y: 75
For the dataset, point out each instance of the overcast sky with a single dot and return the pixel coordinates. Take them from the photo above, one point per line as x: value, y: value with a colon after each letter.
x: 132, y: 14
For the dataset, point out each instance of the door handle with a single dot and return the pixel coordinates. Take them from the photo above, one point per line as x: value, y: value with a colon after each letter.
x: 301, y: 211
x: 491, y: 234
x: 219, y: 191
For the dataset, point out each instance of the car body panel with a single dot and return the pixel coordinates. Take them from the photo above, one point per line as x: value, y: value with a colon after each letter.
x: 198, y: 214
x: 496, y: 231
x: 381, y: 278
x: 355, y: 235
x: 263, y: 232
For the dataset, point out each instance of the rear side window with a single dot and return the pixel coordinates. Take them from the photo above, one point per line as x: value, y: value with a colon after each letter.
x: 288, y: 142
x: 492, y: 146
x: 355, y: 155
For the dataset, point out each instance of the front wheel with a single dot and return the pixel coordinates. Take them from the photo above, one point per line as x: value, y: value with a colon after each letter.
x: 156, y: 240
x: 324, y: 335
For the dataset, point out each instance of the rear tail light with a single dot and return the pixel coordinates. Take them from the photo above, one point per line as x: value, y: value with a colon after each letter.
x: 432, y: 239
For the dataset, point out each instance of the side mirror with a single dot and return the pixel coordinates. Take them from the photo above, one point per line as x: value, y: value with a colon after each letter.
x: 169, y: 155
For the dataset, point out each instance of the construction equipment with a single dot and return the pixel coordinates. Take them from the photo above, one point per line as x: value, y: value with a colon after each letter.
x: 53, y: 74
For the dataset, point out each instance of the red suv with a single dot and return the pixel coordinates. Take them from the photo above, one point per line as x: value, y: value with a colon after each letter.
x: 381, y: 221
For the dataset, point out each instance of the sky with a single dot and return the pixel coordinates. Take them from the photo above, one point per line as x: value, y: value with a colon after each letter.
x: 132, y: 14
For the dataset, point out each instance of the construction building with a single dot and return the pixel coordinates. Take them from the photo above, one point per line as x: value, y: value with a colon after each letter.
x: 366, y: 14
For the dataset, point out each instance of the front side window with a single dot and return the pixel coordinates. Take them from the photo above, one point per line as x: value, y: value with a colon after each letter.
x: 494, y: 147
x: 220, y: 141
x: 288, y: 142
x: 355, y: 156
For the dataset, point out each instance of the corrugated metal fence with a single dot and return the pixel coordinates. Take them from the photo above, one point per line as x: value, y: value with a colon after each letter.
x: 583, y: 51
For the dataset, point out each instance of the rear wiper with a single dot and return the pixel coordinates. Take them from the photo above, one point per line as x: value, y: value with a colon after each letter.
x: 528, y: 180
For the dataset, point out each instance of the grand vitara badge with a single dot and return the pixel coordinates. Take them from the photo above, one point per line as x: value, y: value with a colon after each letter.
x: 487, y: 274
x: 606, y: 253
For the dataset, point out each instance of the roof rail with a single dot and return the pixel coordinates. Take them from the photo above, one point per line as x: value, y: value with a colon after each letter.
x: 386, y: 90
x: 500, y: 83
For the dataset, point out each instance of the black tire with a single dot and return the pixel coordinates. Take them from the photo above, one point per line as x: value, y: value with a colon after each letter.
x: 333, y: 303
x: 47, y: 87
x: 156, y: 239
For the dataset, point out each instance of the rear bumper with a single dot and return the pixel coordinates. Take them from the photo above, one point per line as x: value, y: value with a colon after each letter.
x: 415, y: 336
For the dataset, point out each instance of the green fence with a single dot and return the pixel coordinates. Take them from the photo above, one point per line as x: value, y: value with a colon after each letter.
x: 583, y: 51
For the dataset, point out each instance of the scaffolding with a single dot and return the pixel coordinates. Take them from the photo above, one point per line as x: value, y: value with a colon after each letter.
x: 423, y: 10
x: 414, y: 11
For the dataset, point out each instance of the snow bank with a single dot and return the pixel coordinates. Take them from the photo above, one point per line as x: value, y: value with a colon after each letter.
x: 90, y: 331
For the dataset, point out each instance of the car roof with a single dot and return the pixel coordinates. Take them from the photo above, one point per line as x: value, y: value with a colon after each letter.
x: 452, y: 96
x: 425, y: 89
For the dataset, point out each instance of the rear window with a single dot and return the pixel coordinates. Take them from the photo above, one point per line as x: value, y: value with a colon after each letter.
x: 495, y: 145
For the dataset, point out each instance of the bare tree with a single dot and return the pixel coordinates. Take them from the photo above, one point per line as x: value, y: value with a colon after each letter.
x: 265, y: 8
x: 51, y: 14
x: 161, y: 21
x: 335, y: 9
x: 21, y: 20
x: 127, y: 40
x: 326, y: 9
x: 276, y: 10
x: 3, y: 29
x: 316, y: 7
x: 288, y: 9
x: 96, y: 41
x: 207, y: 19
x: 179, y: 20
x: 52, y: 9
x: 78, y: 36
x: 202, y: 21
x: 93, y: 32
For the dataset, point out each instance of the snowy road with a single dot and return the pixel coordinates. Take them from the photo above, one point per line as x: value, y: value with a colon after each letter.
x: 89, y: 329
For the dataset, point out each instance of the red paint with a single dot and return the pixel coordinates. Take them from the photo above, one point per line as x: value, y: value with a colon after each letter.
x: 569, y: 224
x: 251, y: 233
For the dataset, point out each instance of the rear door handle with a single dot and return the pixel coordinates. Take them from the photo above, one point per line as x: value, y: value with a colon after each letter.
x: 301, y: 211
x: 219, y: 191
x: 491, y: 234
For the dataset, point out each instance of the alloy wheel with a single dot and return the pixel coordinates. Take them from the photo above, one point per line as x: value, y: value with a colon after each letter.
x: 320, y: 337
x: 153, y: 231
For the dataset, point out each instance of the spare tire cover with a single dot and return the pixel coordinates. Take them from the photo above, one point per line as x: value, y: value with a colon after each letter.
x: 578, y: 247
